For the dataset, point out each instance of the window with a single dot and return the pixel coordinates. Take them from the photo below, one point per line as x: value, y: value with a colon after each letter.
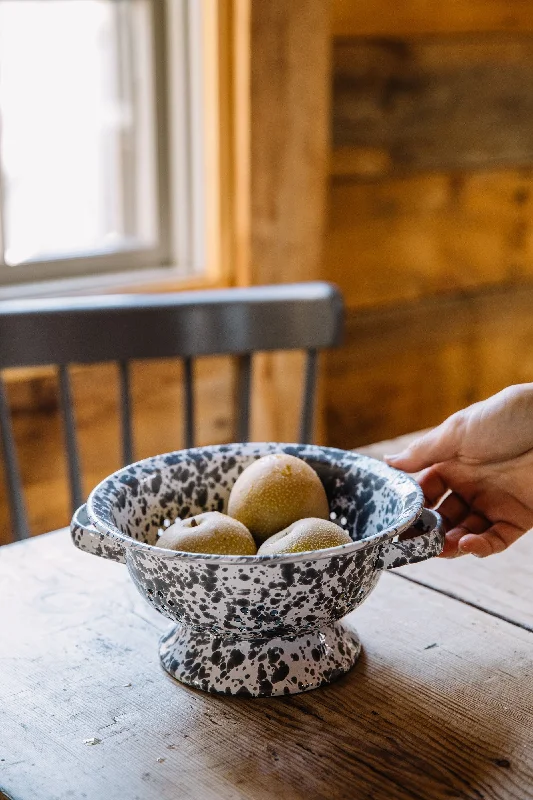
x: 101, y: 137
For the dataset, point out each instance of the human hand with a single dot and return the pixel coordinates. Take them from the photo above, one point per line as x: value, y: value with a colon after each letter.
x: 482, y: 457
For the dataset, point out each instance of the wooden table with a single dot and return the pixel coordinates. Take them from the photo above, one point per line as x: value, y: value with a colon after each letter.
x: 440, y: 705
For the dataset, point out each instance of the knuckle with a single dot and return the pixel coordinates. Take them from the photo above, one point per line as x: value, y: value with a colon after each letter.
x: 456, y: 423
x: 496, y: 542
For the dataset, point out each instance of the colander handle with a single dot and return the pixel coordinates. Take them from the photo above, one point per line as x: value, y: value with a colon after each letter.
x: 88, y: 538
x: 419, y: 547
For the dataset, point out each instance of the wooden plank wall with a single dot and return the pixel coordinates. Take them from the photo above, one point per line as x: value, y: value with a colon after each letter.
x: 430, y: 223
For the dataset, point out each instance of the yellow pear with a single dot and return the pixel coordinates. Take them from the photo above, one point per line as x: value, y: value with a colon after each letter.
x: 210, y: 532
x: 306, y: 534
x: 274, y: 492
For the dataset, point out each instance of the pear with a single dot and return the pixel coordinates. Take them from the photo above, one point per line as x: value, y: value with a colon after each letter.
x: 275, y: 491
x: 210, y: 532
x: 306, y: 534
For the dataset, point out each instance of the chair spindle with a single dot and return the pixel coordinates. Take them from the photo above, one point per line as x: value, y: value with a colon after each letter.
x: 69, y: 428
x: 188, y: 408
x: 244, y: 377
x: 125, y: 412
x: 17, y: 508
x: 308, y: 397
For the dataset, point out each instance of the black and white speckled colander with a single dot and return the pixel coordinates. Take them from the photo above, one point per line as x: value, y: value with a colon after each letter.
x: 256, y: 625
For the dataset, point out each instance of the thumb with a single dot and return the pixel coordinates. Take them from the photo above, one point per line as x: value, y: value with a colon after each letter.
x: 439, y: 444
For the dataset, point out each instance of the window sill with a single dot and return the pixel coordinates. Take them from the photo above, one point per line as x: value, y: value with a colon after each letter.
x: 162, y: 279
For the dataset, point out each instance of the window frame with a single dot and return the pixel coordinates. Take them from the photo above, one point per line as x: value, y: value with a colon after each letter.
x: 181, y: 252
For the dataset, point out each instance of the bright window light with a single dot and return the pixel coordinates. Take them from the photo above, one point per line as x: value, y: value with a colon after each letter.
x: 102, y: 163
x: 75, y: 144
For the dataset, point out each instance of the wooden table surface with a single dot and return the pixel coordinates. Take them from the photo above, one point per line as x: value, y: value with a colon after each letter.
x: 440, y: 704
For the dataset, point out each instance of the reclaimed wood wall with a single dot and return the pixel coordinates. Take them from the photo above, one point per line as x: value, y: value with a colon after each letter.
x: 430, y: 218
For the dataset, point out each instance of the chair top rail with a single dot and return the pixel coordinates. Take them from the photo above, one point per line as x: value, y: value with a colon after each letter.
x: 209, y: 322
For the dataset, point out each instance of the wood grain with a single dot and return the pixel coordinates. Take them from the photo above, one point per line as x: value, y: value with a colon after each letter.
x: 388, y: 18
x: 438, y: 706
x: 411, y: 366
x: 406, y: 238
x: 500, y: 584
x: 289, y: 94
x: 435, y: 104
x: 425, y: 225
x: 276, y: 388
x: 283, y: 167
x: 398, y: 369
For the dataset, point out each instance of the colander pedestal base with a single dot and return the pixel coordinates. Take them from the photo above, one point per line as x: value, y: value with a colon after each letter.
x: 259, y: 667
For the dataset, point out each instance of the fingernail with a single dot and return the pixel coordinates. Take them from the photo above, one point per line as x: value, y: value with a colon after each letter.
x: 394, y: 457
x: 467, y: 552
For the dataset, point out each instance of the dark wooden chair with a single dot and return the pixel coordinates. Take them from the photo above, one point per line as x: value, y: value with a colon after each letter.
x: 87, y: 330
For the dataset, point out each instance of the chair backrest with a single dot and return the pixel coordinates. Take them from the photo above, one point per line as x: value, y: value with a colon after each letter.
x: 85, y: 330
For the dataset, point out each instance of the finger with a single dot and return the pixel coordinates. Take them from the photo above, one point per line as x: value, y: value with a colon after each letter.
x: 451, y: 541
x: 439, y: 444
x: 472, y: 524
x: 433, y: 485
x: 453, y: 510
x: 494, y: 540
